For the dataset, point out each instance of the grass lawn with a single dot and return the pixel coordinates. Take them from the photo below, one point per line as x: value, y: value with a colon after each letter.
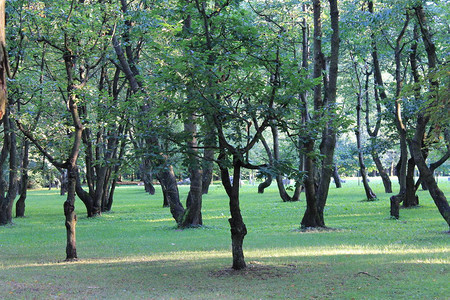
x: 135, y: 251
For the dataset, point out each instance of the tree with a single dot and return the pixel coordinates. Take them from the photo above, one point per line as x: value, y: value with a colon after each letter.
x: 316, y: 190
x: 415, y: 143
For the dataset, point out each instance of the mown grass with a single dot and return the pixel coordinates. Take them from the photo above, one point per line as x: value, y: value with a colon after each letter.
x: 135, y: 251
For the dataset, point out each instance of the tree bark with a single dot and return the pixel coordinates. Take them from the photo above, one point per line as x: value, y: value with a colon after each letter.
x: 416, y: 142
x: 384, y: 176
x: 193, y: 215
x: 169, y: 185
x: 4, y: 65
x: 399, y: 122
x: 20, y: 204
x: 336, y: 177
x: 9, y: 151
x: 265, y: 184
x: 411, y: 199
x: 328, y: 143
x: 379, y: 92
x: 311, y: 217
x: 208, y: 161
x: 276, y: 157
x: 370, y: 195
x: 237, y: 226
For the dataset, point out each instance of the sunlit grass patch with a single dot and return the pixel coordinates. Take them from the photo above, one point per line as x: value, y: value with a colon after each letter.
x: 137, y: 252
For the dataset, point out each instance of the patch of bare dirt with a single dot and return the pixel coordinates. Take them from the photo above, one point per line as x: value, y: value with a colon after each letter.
x: 258, y: 270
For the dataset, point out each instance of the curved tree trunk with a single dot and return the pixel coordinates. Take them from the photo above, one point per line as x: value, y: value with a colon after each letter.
x: 169, y: 186
x: 265, y: 184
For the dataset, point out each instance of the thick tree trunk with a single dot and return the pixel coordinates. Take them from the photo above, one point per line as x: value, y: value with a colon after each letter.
x: 169, y: 186
x: 20, y: 204
x: 311, y: 218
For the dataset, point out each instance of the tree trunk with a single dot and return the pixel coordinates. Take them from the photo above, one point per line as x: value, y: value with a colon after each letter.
x: 193, y: 213
x: 337, y: 179
x: 370, y: 195
x: 384, y: 176
x: 415, y: 143
x: 311, y: 217
x: 401, y: 129
x: 265, y: 184
x: 4, y: 65
x: 9, y: 150
x: 71, y: 217
x: 208, y: 164
x: 237, y: 226
x: 411, y: 199
x: 169, y: 186
x: 63, y: 179
x: 147, y: 176
x: 276, y: 157
x: 328, y: 143
x: 379, y: 92
x: 20, y: 204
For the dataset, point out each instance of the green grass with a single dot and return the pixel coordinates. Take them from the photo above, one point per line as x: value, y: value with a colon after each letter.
x: 135, y: 252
